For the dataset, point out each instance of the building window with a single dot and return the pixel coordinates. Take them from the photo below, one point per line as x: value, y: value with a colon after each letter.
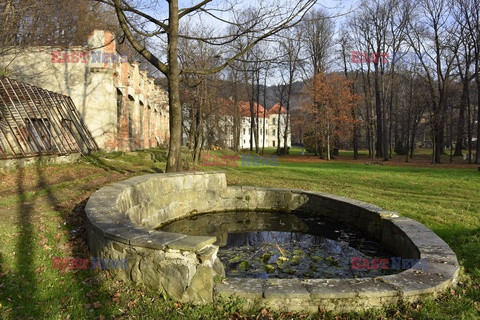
x: 274, y: 121
x: 273, y: 131
x: 243, y: 130
x: 273, y: 143
x: 119, y: 107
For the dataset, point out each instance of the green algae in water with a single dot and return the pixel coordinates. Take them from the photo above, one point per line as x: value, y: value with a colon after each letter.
x: 281, y: 245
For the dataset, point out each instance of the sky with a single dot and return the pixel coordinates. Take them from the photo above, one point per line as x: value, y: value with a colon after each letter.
x: 338, y: 9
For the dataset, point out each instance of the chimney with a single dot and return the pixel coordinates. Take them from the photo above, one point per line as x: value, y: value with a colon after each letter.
x: 102, y: 40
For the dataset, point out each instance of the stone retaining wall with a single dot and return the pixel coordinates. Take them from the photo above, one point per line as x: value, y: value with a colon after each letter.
x: 123, y: 218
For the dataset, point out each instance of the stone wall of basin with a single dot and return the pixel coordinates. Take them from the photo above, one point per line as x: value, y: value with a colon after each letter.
x: 123, y: 219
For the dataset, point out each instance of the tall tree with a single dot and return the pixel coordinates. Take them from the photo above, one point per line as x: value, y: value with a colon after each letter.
x: 429, y: 36
x: 147, y: 20
x: 290, y: 47
x: 331, y: 100
x: 317, y: 35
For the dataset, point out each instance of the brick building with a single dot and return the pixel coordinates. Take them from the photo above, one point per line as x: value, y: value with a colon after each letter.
x: 119, y: 104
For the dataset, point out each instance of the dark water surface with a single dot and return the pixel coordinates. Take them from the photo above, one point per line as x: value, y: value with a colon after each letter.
x: 283, y: 245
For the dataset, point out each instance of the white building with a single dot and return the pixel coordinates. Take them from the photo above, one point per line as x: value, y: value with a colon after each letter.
x: 270, y: 123
x: 220, y: 126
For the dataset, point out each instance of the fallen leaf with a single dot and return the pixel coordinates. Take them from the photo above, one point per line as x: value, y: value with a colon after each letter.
x: 97, y: 305
x: 91, y: 294
x: 476, y: 306
x: 40, y: 269
x: 452, y: 291
x: 132, y: 304
x: 116, y: 297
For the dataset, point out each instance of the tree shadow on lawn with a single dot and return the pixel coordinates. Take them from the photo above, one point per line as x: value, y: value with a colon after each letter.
x: 32, y: 290
x: 100, y: 163
x: 20, y: 286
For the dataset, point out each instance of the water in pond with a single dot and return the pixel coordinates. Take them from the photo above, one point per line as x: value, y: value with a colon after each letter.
x: 281, y: 245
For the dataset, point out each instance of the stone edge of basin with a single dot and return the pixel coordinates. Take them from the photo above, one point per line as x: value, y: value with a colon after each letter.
x: 112, y: 226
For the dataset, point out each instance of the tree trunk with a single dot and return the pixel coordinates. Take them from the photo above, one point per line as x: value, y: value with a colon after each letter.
x: 477, y: 70
x: 390, y: 126
x: 265, y: 109
x: 199, y: 126
x: 437, y: 147
x: 461, y: 126
x: 252, y: 113
x: 258, y: 107
x: 328, y: 139
x: 379, y: 114
x: 469, y: 133
x: 285, y: 136
x: 278, y: 128
x: 412, y: 140
x: 384, y: 134
x: 355, y: 136
x: 174, y: 161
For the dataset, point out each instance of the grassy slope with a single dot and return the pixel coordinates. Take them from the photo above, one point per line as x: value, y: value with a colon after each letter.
x: 41, y: 216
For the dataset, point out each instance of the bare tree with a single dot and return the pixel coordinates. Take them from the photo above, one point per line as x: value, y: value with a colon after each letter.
x: 345, y: 45
x: 464, y: 59
x: 200, y: 90
x: 317, y: 34
x: 469, y: 20
x: 147, y: 20
x: 429, y: 36
x: 290, y: 47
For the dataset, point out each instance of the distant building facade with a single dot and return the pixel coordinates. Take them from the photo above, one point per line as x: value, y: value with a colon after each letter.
x: 231, y: 121
x: 271, y: 125
x: 119, y: 104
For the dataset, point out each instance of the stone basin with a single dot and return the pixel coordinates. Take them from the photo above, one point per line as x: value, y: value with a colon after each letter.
x: 123, y: 219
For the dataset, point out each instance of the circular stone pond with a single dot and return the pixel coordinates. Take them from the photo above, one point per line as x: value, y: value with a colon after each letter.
x: 290, y: 250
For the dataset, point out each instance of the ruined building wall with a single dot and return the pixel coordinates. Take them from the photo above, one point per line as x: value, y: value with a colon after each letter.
x: 120, y: 105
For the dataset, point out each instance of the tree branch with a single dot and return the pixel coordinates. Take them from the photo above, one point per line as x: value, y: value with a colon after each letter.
x: 122, y: 19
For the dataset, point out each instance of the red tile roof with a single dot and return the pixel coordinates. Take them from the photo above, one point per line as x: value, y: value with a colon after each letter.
x: 274, y: 109
x: 245, y: 109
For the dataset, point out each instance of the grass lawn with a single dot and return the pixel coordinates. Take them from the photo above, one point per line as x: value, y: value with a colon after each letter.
x: 41, y: 216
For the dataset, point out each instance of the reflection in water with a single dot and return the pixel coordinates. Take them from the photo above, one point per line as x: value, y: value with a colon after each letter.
x: 281, y: 245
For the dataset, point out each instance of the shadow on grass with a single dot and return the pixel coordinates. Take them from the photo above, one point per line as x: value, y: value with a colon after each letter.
x: 85, y: 282
x: 28, y: 289
x: 98, y: 162
x: 19, y: 287
x: 24, y: 257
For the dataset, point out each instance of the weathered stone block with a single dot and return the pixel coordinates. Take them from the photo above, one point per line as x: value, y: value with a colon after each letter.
x: 200, y: 289
x: 174, y: 279
x: 191, y: 243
